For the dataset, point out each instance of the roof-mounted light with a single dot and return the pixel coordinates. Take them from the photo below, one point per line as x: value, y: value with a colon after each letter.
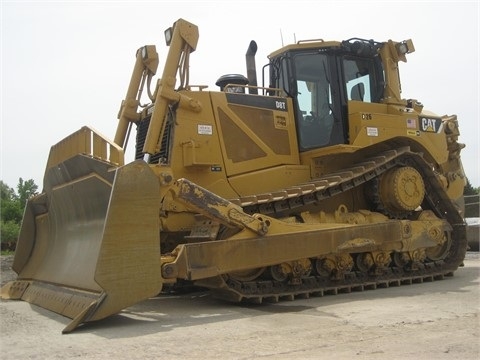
x: 405, y: 47
x: 400, y: 49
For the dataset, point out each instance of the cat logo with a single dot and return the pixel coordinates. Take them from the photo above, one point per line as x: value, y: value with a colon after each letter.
x: 431, y: 124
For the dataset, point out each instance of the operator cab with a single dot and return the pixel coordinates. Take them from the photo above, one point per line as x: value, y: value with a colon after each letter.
x: 322, y: 77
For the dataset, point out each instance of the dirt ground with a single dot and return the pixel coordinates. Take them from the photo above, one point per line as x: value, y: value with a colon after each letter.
x: 435, y: 320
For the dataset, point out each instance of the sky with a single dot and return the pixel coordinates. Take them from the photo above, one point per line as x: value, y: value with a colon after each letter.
x: 66, y: 64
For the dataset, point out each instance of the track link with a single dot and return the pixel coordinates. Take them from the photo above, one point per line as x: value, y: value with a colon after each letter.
x: 272, y: 291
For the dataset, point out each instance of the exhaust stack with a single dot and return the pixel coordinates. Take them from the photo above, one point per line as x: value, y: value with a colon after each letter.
x: 251, y: 67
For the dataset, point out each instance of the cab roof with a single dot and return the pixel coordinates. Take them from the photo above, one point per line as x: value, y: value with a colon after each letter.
x: 305, y: 45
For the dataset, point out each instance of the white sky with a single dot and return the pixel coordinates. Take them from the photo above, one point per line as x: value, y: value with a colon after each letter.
x: 68, y: 64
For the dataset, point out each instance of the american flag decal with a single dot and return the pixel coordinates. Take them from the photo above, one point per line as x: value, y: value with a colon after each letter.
x: 411, y: 123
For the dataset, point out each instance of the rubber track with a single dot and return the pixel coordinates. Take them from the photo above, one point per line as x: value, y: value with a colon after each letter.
x: 293, y: 199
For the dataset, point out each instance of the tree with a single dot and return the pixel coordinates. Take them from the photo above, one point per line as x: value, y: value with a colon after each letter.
x: 11, y: 210
x: 6, y: 192
x: 469, y: 189
x: 10, y: 206
x: 26, y: 190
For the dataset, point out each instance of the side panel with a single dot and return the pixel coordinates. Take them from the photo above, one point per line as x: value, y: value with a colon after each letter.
x: 256, y: 132
x: 371, y: 124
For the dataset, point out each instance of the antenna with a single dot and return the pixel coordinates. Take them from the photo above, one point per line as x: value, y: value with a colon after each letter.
x: 281, y: 36
x: 294, y: 38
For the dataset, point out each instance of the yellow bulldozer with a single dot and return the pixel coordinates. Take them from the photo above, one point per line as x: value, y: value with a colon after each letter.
x: 320, y: 180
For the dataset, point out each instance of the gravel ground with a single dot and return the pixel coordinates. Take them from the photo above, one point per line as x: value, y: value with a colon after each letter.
x: 7, y: 274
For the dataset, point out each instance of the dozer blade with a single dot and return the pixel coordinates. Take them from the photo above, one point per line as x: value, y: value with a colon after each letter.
x: 89, y: 247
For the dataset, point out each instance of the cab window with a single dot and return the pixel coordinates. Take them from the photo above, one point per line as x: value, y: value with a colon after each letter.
x: 314, y: 97
x: 360, y: 80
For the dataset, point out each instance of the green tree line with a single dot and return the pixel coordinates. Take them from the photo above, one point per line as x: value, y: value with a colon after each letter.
x: 12, y: 205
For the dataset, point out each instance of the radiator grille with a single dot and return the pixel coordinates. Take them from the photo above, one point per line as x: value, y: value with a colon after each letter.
x: 163, y: 156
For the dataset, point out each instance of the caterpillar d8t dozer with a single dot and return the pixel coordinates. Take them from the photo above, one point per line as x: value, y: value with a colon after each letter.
x: 323, y: 179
